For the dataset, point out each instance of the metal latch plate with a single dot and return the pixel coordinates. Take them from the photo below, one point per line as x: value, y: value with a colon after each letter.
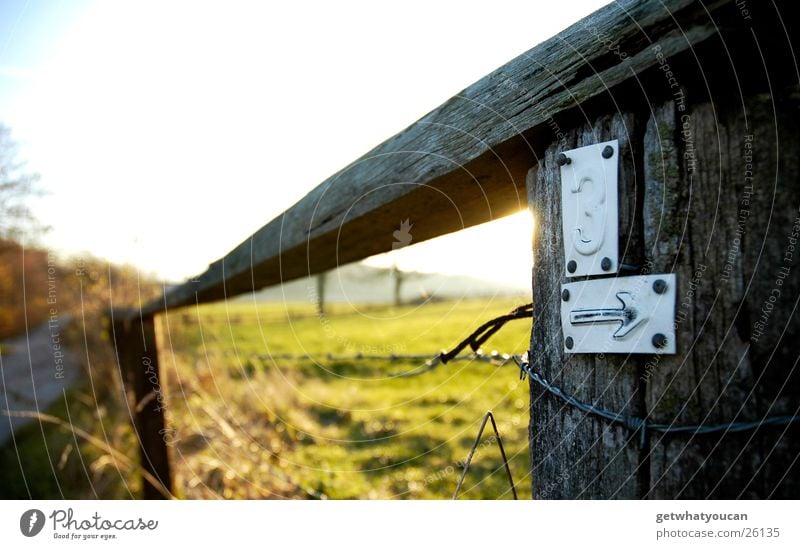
x: 631, y: 314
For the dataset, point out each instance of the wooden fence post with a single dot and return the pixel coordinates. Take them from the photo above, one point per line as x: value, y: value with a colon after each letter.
x: 708, y: 190
x: 136, y: 346
x: 590, y: 458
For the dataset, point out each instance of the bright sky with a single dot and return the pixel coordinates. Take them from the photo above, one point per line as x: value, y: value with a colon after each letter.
x: 167, y: 132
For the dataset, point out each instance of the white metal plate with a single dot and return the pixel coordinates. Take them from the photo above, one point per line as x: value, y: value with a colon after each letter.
x: 589, y: 208
x: 619, y: 315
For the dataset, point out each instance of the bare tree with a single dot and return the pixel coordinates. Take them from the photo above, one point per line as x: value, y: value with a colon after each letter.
x: 399, y: 277
x: 321, y: 281
x: 17, y: 186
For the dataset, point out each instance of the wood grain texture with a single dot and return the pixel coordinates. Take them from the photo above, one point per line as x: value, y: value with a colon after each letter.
x: 463, y: 163
x: 589, y: 457
x: 733, y: 230
x: 711, y: 194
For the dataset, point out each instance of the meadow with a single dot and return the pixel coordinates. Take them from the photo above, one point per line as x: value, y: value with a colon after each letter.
x: 276, y: 401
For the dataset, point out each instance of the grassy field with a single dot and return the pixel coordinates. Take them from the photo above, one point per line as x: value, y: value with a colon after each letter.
x: 245, y: 421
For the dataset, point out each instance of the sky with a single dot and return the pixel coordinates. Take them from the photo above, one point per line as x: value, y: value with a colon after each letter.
x: 166, y: 132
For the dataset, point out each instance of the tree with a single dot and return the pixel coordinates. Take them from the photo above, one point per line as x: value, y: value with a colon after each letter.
x: 18, y: 265
x: 398, y: 277
x: 17, y: 186
x: 321, y: 281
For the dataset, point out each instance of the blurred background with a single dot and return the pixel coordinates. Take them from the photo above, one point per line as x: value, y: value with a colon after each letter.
x: 121, y: 125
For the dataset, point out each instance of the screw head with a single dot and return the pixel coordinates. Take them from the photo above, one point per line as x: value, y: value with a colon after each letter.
x: 572, y: 266
x: 608, y: 151
x: 565, y: 294
x: 562, y: 159
x: 659, y: 341
x: 605, y: 264
x: 569, y: 343
x: 660, y: 286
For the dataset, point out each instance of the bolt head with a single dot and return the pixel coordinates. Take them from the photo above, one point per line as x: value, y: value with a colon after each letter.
x: 562, y: 159
x: 659, y: 341
x: 565, y: 295
x: 572, y: 266
x: 660, y: 286
x: 608, y: 151
x: 605, y: 264
x: 569, y: 343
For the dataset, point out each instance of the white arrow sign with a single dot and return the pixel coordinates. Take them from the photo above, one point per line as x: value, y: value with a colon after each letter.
x: 630, y: 314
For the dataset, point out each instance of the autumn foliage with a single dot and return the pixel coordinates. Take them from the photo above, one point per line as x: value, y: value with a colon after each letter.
x: 35, y: 284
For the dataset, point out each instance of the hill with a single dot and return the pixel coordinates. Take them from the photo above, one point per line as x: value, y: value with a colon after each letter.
x: 359, y: 283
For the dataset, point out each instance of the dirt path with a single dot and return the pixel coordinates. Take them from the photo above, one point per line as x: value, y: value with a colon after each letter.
x: 34, y: 371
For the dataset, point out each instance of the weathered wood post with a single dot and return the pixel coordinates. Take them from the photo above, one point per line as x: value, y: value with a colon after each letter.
x: 709, y: 189
x: 135, y: 339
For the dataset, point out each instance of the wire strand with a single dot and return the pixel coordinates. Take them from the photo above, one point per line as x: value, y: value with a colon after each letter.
x: 642, y: 425
x: 486, y: 417
x: 485, y: 331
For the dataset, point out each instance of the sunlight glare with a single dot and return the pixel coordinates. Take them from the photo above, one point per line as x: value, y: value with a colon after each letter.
x: 501, y: 251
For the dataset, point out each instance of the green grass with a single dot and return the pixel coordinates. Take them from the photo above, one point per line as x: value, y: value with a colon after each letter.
x: 252, y: 424
x: 47, y: 460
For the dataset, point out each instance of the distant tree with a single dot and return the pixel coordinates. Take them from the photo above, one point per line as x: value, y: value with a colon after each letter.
x: 17, y: 186
x: 321, y: 280
x: 398, y: 277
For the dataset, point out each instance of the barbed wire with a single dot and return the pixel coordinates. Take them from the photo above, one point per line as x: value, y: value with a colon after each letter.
x: 485, y: 331
x: 431, y: 362
x: 642, y: 425
x: 634, y: 423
